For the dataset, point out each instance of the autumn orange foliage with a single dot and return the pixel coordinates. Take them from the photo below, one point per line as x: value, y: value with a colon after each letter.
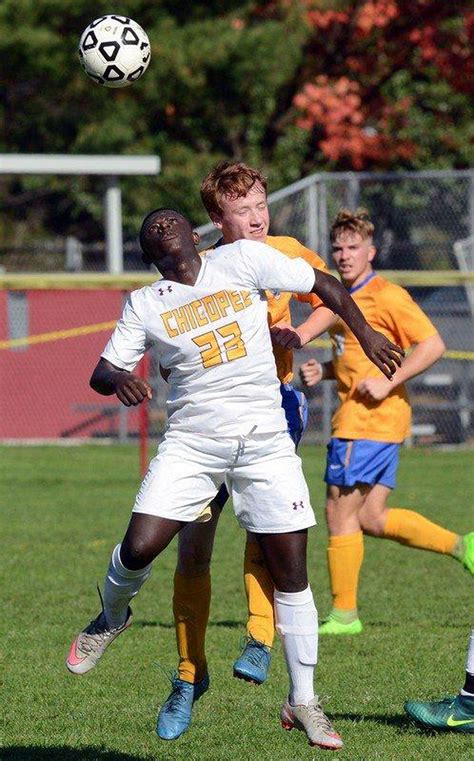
x: 354, y: 52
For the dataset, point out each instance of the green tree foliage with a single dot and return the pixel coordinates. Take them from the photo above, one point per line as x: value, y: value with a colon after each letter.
x: 289, y: 86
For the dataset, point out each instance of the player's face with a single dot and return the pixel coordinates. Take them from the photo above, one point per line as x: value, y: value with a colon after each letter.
x: 170, y: 236
x: 245, y: 217
x: 352, y: 256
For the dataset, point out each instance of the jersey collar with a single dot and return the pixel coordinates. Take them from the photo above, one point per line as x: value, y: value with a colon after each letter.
x: 364, y: 282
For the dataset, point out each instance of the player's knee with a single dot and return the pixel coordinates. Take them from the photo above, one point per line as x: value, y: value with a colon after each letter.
x: 372, y: 523
x: 137, y: 553
x: 193, y: 560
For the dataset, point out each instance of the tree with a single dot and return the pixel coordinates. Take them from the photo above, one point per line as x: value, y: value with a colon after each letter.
x: 292, y: 87
x: 387, y: 84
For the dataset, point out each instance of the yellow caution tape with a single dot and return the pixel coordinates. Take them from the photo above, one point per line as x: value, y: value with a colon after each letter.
x: 58, y: 335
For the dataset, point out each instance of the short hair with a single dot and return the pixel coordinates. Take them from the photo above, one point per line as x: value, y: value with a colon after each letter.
x: 347, y: 221
x: 232, y: 179
x: 148, y: 221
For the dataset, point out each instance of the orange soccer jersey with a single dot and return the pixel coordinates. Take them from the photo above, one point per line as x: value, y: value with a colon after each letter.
x: 391, y: 310
x: 279, y: 305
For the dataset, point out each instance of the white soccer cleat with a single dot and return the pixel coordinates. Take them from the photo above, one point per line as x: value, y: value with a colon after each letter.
x: 90, y: 645
x: 312, y: 720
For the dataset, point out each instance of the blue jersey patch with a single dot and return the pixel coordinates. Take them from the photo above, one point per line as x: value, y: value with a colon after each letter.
x: 295, y: 406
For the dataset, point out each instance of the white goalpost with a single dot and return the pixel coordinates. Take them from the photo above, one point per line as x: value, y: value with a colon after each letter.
x: 110, y: 167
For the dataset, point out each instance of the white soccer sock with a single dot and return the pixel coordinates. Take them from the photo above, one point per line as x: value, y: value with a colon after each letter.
x: 120, y: 586
x: 297, y: 624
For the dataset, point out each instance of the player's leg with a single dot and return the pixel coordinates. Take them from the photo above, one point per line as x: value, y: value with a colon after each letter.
x: 192, y: 594
x: 297, y: 624
x: 180, y: 470
x: 271, y: 499
x: 345, y: 555
x: 254, y: 662
x: 455, y: 714
x: 130, y: 565
x: 191, y: 603
x: 412, y: 529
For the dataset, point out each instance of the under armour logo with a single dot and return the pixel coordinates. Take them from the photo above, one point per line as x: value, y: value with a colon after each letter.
x: 299, y: 505
x: 162, y: 291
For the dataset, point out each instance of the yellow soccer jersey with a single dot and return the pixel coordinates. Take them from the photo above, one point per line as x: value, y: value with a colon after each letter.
x: 279, y: 305
x: 391, y: 310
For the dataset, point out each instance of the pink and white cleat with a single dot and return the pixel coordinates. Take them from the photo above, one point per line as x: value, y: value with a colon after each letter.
x: 312, y: 720
x: 92, y: 642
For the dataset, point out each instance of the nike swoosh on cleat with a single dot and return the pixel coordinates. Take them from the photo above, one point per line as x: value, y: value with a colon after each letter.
x: 452, y: 722
x: 72, y: 657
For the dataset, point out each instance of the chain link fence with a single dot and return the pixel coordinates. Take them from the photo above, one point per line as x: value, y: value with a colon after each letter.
x: 424, y: 223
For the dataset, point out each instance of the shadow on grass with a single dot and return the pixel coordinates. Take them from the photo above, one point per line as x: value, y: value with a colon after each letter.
x: 65, y: 753
x: 396, y: 720
x: 167, y: 625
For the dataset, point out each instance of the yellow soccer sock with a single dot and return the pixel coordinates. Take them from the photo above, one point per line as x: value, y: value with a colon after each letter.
x: 191, y: 603
x: 259, y: 590
x: 345, y: 556
x: 414, y: 530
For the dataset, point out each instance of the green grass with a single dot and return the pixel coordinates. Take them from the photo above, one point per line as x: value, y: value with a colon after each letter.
x: 63, y: 510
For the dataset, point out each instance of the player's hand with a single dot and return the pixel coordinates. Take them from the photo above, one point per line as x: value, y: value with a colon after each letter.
x: 132, y: 390
x: 374, y: 389
x: 382, y: 352
x: 286, y: 336
x: 311, y: 372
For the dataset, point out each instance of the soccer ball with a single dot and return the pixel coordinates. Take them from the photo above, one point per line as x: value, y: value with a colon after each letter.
x: 114, y: 51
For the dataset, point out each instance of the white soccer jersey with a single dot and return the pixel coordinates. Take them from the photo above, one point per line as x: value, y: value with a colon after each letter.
x: 213, y: 337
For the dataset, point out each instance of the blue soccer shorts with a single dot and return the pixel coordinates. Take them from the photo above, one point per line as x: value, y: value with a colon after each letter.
x: 361, y: 461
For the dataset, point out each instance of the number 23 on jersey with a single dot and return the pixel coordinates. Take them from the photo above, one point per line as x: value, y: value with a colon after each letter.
x: 221, y: 345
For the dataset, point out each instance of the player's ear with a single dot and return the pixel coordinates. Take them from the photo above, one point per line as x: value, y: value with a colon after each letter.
x: 196, y: 238
x: 215, y: 219
x: 372, y: 252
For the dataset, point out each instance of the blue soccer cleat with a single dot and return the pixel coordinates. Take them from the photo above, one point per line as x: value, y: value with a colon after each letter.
x: 174, y: 717
x: 254, y: 662
x: 450, y: 714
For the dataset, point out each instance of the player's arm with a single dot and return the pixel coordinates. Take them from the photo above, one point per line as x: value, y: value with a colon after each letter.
x: 107, y: 379
x: 319, y: 321
x: 423, y: 355
x: 312, y: 372
x: 382, y: 352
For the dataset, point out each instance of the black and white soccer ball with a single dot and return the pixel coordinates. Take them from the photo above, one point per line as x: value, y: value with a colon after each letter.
x: 114, y: 51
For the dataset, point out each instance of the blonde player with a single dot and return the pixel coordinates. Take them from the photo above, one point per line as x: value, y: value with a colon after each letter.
x: 207, y: 318
x: 371, y: 422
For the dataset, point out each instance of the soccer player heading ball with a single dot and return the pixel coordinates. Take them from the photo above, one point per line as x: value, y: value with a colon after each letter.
x: 208, y: 322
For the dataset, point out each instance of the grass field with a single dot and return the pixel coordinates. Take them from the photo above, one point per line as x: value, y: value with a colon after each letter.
x: 62, y: 512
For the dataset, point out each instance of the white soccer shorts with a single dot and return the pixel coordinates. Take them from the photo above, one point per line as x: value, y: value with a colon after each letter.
x: 262, y: 473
